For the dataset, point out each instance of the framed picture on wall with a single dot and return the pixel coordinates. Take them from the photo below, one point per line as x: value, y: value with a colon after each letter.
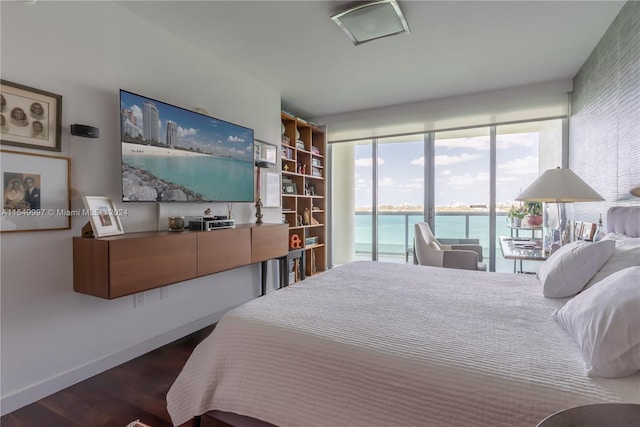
x: 103, y: 216
x: 35, y: 190
x: 265, y: 152
x: 30, y: 117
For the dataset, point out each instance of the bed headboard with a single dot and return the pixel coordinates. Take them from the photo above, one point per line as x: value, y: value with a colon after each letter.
x: 624, y: 220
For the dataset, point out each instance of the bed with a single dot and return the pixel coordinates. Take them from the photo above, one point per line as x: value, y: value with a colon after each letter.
x: 379, y: 344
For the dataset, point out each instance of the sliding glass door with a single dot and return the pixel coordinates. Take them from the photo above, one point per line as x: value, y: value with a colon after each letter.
x: 400, y: 201
x: 461, y: 186
x: 462, y: 181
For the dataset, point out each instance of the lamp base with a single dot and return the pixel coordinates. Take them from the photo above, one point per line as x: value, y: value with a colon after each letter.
x: 556, y: 226
x: 259, y: 211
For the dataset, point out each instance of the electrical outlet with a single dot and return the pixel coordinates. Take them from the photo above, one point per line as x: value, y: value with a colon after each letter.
x: 138, y: 300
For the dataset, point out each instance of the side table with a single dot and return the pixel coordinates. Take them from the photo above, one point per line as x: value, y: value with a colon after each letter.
x: 597, y: 415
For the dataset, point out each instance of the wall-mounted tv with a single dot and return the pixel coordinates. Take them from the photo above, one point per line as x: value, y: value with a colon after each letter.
x: 170, y: 154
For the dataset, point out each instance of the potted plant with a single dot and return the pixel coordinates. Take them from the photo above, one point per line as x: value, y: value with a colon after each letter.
x: 516, y: 213
x: 534, y: 212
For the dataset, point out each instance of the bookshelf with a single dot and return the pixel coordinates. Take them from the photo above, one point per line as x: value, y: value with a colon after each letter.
x: 303, y: 152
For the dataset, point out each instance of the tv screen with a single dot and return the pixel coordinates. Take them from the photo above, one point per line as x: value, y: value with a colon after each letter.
x: 170, y: 154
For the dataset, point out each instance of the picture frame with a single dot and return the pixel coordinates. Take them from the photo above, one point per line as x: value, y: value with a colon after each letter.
x: 265, y: 151
x: 588, y: 231
x: 103, y: 216
x: 289, y: 188
x: 29, y: 117
x: 36, y: 192
x: 270, y: 190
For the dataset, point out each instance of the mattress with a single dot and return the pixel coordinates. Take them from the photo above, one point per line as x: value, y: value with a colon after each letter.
x: 379, y: 344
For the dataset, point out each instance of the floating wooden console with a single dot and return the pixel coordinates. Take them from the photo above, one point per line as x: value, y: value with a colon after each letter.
x: 111, y: 267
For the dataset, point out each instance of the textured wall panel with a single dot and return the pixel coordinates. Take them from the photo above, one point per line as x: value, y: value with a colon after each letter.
x: 604, y: 129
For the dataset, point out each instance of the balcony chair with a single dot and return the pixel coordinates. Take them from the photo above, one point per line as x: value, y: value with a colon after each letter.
x: 429, y: 251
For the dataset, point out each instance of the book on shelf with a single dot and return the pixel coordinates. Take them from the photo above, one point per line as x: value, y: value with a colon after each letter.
x: 287, y: 152
x: 316, y: 172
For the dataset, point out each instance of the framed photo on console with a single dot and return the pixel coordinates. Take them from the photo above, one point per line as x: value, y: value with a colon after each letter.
x: 30, y: 117
x: 103, y: 216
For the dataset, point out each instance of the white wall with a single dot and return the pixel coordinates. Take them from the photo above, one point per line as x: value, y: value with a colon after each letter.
x: 86, y: 51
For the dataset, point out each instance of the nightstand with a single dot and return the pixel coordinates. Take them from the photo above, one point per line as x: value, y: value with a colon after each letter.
x: 598, y: 415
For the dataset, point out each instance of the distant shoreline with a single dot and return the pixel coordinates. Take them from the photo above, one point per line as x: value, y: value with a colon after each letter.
x: 131, y: 149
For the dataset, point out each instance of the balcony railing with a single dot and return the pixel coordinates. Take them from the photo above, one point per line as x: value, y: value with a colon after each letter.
x: 396, y: 231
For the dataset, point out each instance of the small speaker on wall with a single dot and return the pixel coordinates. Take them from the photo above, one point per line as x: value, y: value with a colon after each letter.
x: 85, y: 131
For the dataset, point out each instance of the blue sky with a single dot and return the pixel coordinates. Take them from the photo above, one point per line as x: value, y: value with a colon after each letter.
x: 461, y: 170
x: 196, y: 130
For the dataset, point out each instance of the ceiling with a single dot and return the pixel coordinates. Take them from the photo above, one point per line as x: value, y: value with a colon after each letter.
x: 454, y: 48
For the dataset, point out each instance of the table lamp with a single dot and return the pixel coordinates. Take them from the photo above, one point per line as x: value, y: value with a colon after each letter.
x: 556, y: 189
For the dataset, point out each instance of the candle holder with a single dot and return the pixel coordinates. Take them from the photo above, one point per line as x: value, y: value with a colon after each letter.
x: 259, y: 165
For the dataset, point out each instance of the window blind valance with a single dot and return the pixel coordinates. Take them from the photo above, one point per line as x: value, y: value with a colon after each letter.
x: 524, y: 103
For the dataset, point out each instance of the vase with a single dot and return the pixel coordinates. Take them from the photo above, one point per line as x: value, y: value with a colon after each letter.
x: 535, y: 220
x: 517, y: 222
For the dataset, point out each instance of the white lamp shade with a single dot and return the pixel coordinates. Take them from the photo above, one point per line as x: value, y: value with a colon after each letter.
x: 559, y: 186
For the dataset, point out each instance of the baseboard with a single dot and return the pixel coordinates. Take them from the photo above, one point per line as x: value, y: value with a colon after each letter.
x: 43, y: 389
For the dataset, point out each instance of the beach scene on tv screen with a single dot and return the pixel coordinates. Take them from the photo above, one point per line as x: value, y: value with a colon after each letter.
x: 170, y: 154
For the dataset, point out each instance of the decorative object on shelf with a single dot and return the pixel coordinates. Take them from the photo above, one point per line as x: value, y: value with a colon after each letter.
x: 30, y: 117
x: 557, y: 189
x: 295, y: 242
x: 259, y: 165
x: 103, y: 216
x: 36, y: 192
x: 306, y: 217
x: 289, y: 188
x: 176, y: 223
x: 285, y: 168
x: 299, y: 221
x: 314, y: 221
x: 229, y: 212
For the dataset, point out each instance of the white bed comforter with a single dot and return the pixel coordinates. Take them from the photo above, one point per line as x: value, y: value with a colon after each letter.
x: 377, y: 344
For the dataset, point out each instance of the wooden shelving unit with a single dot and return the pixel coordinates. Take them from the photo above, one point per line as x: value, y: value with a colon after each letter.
x: 303, y: 164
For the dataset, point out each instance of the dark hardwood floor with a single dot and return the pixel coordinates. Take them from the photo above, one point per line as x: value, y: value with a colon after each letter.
x: 134, y: 390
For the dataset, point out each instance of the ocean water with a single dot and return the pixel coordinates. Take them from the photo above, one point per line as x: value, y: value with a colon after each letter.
x: 215, y: 178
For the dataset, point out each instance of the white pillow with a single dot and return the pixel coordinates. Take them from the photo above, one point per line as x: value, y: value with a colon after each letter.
x: 569, y: 268
x: 604, y: 321
x: 624, y: 256
x: 622, y: 239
